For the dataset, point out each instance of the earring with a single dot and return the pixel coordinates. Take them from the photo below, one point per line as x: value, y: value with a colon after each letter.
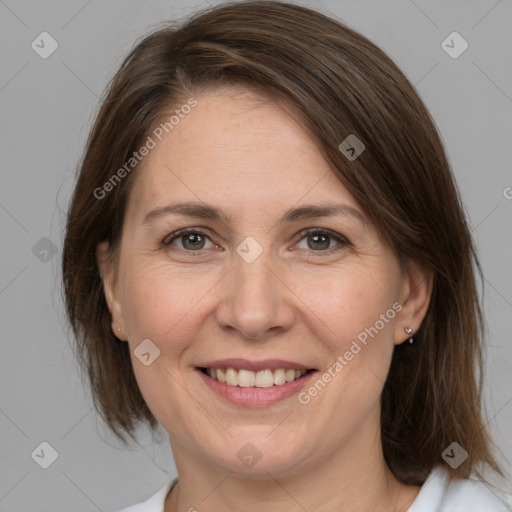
x: 409, y: 331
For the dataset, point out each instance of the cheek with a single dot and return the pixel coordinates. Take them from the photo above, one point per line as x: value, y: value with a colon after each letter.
x: 352, y: 304
x: 357, y: 322
x: 167, y: 305
x: 159, y: 304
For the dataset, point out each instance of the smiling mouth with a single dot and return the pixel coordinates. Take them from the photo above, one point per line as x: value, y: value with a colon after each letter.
x: 250, y: 379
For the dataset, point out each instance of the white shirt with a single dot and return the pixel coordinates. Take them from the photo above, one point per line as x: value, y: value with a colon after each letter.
x: 436, y: 495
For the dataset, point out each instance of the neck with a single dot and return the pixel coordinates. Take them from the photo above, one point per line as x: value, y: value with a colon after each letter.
x: 354, y: 477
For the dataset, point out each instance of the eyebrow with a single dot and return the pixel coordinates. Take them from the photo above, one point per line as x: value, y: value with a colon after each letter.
x: 205, y: 211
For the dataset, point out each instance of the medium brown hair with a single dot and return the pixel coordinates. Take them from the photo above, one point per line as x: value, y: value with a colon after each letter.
x: 338, y: 83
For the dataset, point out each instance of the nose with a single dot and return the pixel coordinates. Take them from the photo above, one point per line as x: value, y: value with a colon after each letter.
x: 256, y: 300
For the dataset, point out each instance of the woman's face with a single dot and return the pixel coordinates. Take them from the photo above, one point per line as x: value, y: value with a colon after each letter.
x: 256, y: 290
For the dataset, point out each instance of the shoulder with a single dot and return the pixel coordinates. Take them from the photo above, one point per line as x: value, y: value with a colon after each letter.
x: 471, y: 495
x: 155, y: 503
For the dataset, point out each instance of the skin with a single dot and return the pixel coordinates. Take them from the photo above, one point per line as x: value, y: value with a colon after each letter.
x: 252, y: 159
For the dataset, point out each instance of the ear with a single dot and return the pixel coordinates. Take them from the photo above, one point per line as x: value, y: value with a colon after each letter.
x: 108, y: 273
x: 415, y: 295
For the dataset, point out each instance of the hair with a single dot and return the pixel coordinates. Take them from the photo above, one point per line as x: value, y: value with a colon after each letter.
x: 338, y: 83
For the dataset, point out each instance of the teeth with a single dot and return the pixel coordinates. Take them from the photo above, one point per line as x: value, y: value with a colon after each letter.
x: 246, y: 379
x: 290, y: 375
x: 260, y: 379
x: 279, y: 377
x: 231, y: 377
x: 264, y: 379
x: 221, y: 375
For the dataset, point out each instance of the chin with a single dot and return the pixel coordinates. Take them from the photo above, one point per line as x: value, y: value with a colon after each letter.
x: 257, y: 455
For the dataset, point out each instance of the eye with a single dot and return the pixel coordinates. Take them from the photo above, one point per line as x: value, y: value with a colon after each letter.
x: 191, y: 239
x: 319, y: 240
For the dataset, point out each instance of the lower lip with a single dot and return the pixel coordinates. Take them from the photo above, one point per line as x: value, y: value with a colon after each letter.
x: 256, y: 396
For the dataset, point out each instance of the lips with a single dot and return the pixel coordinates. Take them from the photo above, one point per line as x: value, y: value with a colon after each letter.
x: 250, y: 383
x: 245, y: 364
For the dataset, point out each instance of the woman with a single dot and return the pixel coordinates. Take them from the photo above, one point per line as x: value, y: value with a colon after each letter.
x: 266, y: 254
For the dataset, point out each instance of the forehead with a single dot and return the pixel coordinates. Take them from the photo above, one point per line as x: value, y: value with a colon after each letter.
x: 237, y: 150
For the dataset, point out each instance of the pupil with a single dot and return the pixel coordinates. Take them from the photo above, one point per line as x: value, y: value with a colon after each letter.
x: 192, y: 237
x: 316, y: 238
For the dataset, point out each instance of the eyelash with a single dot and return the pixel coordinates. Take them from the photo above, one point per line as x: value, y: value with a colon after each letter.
x: 343, y: 242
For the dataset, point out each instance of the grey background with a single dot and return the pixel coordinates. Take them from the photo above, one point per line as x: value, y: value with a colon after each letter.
x: 47, y: 107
